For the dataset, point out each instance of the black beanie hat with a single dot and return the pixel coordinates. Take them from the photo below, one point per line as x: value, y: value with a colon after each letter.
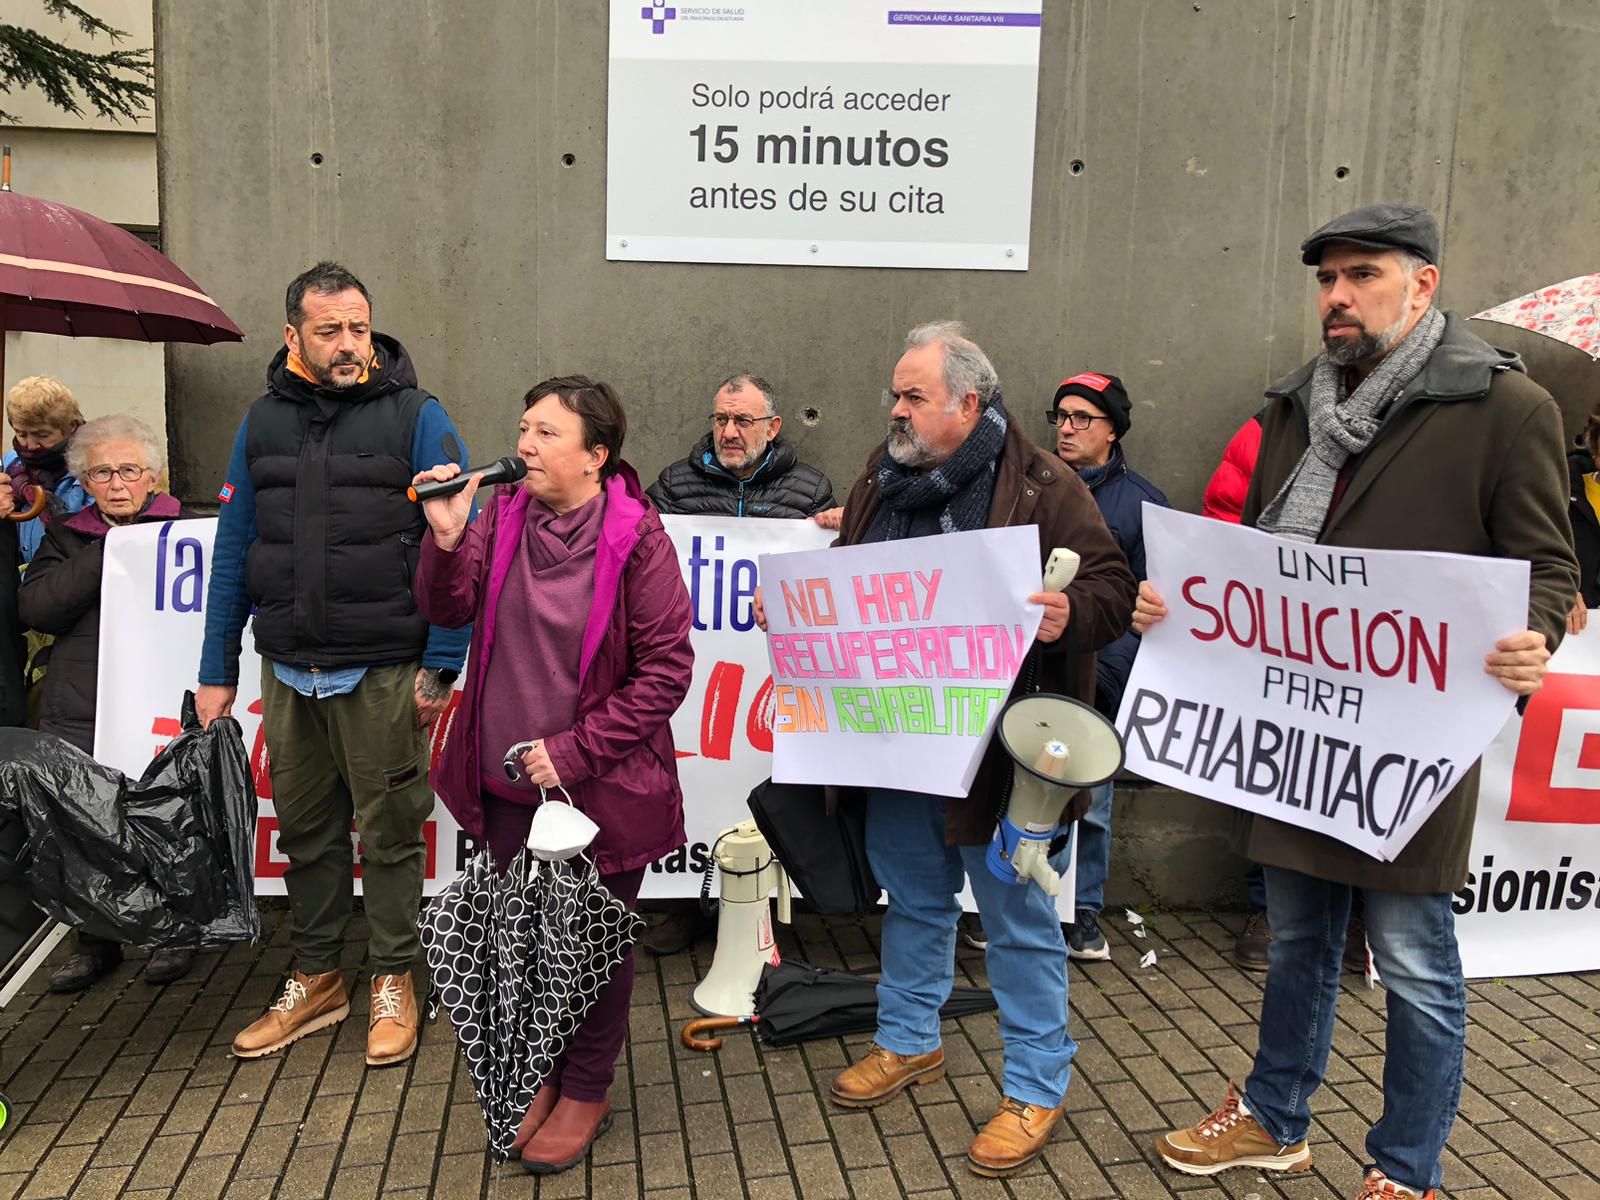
x: 1106, y: 393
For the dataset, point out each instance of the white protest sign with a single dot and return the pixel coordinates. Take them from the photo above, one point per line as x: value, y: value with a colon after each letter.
x: 891, y: 661
x: 153, y: 623
x: 1339, y: 690
x: 829, y: 133
x: 1531, y: 905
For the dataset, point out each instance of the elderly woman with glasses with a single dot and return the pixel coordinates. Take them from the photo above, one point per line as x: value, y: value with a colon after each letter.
x: 119, y: 461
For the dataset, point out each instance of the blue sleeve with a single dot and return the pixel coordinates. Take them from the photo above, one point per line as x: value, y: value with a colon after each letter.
x: 227, y: 601
x: 431, y: 445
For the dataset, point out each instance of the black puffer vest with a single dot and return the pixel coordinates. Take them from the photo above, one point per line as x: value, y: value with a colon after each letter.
x: 330, y: 571
x: 782, y: 486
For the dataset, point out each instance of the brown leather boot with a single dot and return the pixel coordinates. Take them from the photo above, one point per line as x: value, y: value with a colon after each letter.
x: 881, y: 1075
x: 392, y: 1024
x: 308, y: 1003
x: 1013, y: 1138
x: 565, y: 1137
x: 538, y: 1113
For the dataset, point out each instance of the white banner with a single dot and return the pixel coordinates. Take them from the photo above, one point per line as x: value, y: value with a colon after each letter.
x: 153, y: 622
x: 1532, y: 901
x: 1341, y: 690
x: 892, y: 661
x: 879, y: 133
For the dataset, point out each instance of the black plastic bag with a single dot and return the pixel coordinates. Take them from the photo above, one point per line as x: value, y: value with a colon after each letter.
x: 164, y: 862
x: 824, y: 852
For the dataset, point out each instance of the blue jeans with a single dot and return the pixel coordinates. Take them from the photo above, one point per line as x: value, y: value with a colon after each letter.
x: 1413, y: 941
x: 1026, y: 958
x: 1094, y: 850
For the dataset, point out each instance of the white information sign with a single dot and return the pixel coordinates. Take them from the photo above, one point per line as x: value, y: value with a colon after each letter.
x: 153, y: 622
x: 867, y: 133
x: 1341, y: 690
x: 891, y: 661
x: 1531, y: 905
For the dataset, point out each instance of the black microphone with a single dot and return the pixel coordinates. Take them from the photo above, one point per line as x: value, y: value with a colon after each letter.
x: 501, y: 470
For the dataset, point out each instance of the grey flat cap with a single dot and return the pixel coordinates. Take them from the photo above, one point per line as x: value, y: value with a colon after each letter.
x: 1381, y: 226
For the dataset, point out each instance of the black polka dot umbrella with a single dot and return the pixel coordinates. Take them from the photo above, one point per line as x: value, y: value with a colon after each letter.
x: 517, y: 961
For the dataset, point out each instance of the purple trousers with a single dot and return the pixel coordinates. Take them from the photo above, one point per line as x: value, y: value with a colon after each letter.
x: 586, y: 1070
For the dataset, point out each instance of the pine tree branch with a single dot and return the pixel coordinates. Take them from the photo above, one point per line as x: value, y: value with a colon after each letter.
x: 116, y: 83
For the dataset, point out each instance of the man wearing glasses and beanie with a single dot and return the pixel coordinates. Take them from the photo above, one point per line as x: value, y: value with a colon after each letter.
x: 1092, y: 416
x: 742, y: 467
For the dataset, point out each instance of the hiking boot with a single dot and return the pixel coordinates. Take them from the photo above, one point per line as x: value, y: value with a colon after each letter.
x: 1013, y: 1138
x: 83, y: 968
x: 1085, y: 942
x: 1229, y: 1137
x: 1250, y: 950
x: 1355, y: 948
x: 1379, y: 1186
x: 564, y: 1139
x: 168, y: 966
x: 881, y: 1075
x: 970, y: 928
x: 392, y: 1022
x: 538, y: 1113
x: 308, y: 1003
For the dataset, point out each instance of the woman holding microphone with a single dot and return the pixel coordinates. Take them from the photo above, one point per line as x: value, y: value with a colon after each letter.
x: 580, y: 646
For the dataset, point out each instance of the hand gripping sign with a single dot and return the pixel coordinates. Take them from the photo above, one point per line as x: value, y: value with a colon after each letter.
x: 1339, y: 690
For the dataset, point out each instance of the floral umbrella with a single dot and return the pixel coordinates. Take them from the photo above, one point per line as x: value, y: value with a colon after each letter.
x: 1568, y: 312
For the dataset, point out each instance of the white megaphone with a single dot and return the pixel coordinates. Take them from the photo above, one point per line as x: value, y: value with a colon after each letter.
x: 744, y: 922
x: 1057, y: 746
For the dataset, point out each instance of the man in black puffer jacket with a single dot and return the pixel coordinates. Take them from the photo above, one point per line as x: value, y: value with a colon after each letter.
x: 742, y: 468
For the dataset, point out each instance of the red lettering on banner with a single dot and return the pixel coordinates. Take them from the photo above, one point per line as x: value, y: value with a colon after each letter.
x: 271, y: 863
x: 260, y: 761
x: 1558, y: 747
x: 758, y: 725
x: 721, y: 710
x: 165, y: 727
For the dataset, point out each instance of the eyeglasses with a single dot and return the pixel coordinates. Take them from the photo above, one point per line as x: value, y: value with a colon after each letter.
x: 129, y: 473
x: 721, y: 419
x: 1078, y: 420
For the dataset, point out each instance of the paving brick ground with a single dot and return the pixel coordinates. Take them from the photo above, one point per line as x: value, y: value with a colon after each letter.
x: 129, y: 1091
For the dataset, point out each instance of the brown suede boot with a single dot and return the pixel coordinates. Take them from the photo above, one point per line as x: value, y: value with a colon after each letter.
x: 565, y: 1137
x: 1013, y: 1138
x: 392, y: 1024
x: 308, y: 1003
x: 538, y: 1113
x: 881, y: 1075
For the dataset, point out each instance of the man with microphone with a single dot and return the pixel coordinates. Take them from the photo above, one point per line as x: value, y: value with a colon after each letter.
x: 317, y: 532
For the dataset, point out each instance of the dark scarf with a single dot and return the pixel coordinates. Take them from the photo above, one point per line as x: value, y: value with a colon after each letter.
x: 963, y: 483
x: 47, y: 468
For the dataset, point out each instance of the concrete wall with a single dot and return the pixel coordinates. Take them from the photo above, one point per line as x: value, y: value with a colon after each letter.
x: 103, y: 167
x: 424, y: 149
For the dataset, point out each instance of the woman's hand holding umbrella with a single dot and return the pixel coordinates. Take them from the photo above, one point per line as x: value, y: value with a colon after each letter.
x: 536, y: 762
x: 447, y: 515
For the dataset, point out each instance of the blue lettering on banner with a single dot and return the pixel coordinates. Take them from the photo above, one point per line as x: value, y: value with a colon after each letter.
x: 188, y: 564
x: 732, y: 588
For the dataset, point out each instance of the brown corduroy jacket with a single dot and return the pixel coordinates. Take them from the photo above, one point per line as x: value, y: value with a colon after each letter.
x: 1469, y: 461
x: 1032, y: 487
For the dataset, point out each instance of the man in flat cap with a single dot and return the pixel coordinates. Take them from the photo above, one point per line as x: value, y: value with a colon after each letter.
x: 1406, y: 433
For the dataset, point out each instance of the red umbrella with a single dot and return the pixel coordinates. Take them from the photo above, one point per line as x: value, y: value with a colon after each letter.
x: 65, y: 272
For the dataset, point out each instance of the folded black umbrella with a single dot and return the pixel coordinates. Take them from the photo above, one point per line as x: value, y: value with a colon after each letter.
x: 796, y: 1002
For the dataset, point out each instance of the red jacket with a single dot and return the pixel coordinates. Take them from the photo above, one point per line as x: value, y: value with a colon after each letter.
x: 1224, y: 498
x: 618, y: 760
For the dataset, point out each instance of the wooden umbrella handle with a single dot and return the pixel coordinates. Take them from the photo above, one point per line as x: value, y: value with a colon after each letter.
x: 40, y: 499
x: 693, y: 1035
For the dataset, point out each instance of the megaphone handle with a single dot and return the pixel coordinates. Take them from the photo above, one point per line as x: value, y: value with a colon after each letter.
x: 783, y: 896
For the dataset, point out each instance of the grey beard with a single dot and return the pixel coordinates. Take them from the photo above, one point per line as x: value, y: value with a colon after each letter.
x: 906, y: 448
x: 1367, y: 345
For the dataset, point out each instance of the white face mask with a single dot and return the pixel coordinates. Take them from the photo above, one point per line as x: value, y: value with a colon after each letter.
x: 559, y: 831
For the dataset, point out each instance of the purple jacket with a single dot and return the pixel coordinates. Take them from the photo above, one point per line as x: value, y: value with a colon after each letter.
x: 618, y: 761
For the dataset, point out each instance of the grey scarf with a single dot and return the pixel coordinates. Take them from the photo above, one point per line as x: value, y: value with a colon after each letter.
x: 1342, y: 426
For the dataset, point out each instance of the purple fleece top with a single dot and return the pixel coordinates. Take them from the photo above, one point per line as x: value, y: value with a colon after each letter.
x: 634, y: 667
x: 544, y: 606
